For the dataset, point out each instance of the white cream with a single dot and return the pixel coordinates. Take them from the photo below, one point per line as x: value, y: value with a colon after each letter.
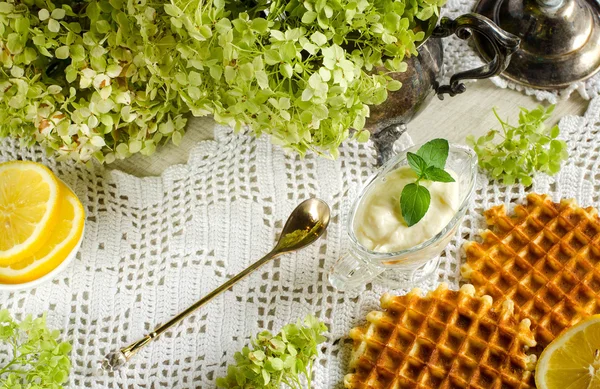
x: 379, y: 225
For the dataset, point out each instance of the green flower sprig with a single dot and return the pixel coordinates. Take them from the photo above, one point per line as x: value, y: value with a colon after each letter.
x: 304, y: 72
x: 277, y: 359
x: 36, y: 358
x: 88, y: 79
x: 522, y: 150
x: 106, y: 79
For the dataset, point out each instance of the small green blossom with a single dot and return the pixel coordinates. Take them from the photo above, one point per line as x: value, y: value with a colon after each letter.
x: 106, y: 79
x: 85, y: 78
x: 36, y: 358
x: 523, y: 150
x: 277, y: 359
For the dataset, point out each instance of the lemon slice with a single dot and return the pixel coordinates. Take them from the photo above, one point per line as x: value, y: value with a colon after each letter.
x: 572, y: 361
x: 65, y: 237
x: 29, y: 196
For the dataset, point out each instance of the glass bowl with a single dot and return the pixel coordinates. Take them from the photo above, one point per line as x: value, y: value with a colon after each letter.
x: 404, y: 268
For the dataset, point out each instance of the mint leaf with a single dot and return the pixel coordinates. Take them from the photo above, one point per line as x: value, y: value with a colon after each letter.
x: 414, y: 202
x: 436, y: 174
x: 428, y: 163
x: 435, y: 152
x: 417, y: 163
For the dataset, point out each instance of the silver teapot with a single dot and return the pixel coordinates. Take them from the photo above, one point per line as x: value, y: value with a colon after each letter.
x: 421, y: 81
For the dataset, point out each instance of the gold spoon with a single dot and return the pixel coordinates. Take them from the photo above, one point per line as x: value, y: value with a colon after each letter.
x: 304, y: 226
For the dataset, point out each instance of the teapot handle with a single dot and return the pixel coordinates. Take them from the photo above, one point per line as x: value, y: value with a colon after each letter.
x: 503, y: 43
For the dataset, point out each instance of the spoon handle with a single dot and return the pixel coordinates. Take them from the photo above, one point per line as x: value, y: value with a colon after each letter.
x: 132, y: 349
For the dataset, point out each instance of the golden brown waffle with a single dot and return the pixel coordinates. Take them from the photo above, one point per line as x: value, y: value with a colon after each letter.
x: 545, y: 258
x: 446, y: 340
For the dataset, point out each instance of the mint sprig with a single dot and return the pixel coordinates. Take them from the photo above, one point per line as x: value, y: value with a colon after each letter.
x: 428, y: 163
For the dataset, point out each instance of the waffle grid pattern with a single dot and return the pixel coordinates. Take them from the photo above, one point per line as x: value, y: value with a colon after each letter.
x: 545, y: 258
x: 447, y: 340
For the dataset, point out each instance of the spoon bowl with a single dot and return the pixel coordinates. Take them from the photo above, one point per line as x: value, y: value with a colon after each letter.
x: 307, y: 222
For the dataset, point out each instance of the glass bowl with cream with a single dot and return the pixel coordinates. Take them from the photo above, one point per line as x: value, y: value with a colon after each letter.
x: 382, y: 246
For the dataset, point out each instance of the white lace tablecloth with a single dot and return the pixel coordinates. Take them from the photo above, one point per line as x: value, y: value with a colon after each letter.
x: 459, y: 56
x: 153, y: 246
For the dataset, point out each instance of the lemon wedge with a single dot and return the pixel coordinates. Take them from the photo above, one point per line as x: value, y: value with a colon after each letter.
x: 65, y: 237
x: 572, y: 361
x: 29, y: 197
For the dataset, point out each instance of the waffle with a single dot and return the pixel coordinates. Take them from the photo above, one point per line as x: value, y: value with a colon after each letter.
x: 447, y: 340
x: 545, y: 258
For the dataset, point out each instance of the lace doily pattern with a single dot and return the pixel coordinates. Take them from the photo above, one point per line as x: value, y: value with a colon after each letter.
x: 460, y: 56
x: 154, y: 245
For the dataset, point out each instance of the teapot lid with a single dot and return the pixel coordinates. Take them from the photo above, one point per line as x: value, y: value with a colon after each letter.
x: 559, y: 39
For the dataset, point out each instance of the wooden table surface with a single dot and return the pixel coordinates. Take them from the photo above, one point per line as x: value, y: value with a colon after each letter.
x: 453, y: 118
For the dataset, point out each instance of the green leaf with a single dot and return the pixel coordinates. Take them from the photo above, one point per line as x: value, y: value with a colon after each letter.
x: 266, y: 377
x: 277, y: 345
x: 102, y: 26
x: 262, y: 79
x: 62, y: 52
x: 471, y: 140
x: 272, y: 57
x: 309, y: 17
x: 363, y: 136
x: 288, y: 51
x: 22, y: 26
x: 216, y: 72
x: 53, y: 25
x: 246, y: 71
x: 414, y: 203
x: 230, y: 74
x: 555, y: 146
x: 394, y: 85
x: 417, y: 164
x: 172, y: 10
x: 260, y: 25
x: 70, y: 74
x: 525, y: 180
x: 43, y: 14
x: 433, y: 173
x: 286, y: 70
x: 6, y: 8
x: 435, y: 152
x: 113, y: 71
x: 277, y: 35
x: 58, y: 13
x: 276, y: 364
x: 318, y: 38
x: 425, y: 13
